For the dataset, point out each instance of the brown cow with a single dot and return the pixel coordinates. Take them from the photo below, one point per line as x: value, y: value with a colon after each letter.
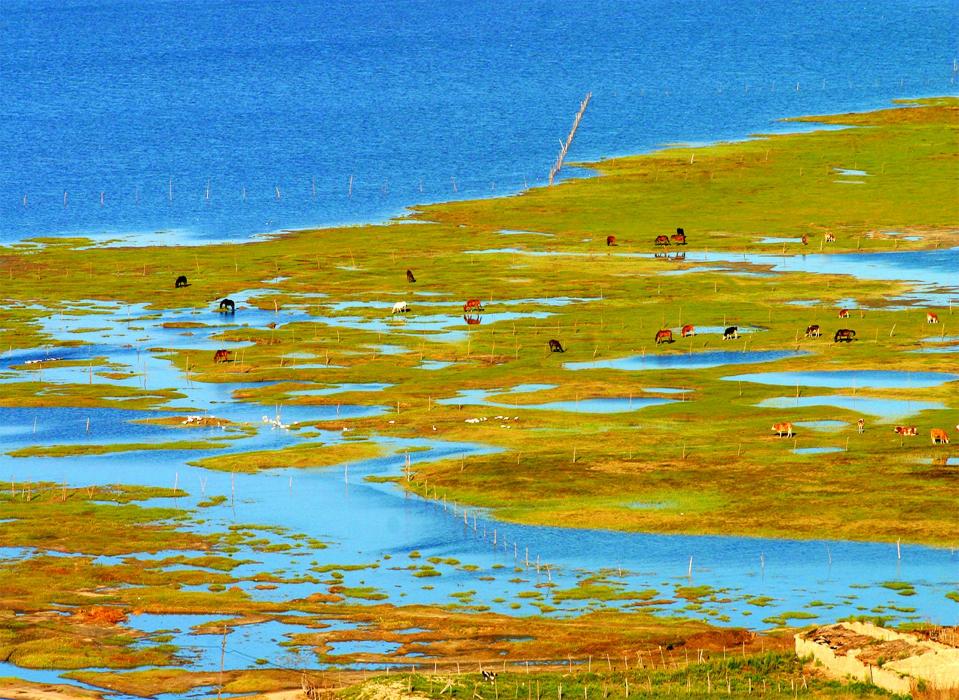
x: 843, y: 313
x: 610, y: 240
x: 409, y: 277
x: 783, y: 429
x: 861, y: 426
x: 932, y: 318
x: 805, y: 239
x: 554, y: 346
x: 844, y: 335
x: 688, y: 330
x: 679, y: 238
x: 221, y: 356
x: 472, y: 305
x: 813, y: 331
x: 664, y: 336
x: 830, y: 238
x: 661, y: 240
x: 939, y: 436
x: 906, y: 430
x: 472, y: 319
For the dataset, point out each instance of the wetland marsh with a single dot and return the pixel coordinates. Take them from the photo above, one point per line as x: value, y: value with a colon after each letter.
x: 355, y: 490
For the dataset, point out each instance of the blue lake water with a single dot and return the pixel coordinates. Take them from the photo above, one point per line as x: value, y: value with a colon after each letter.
x: 255, y: 115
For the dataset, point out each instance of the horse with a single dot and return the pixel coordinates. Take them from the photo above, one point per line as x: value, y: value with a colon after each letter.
x: 661, y: 240
x: 228, y: 306
x: 554, y: 346
x: 813, y: 331
x: 181, y: 282
x: 409, y: 277
x: 611, y: 240
x: 221, y: 356
x: 731, y: 333
x: 664, y: 336
x: 844, y: 335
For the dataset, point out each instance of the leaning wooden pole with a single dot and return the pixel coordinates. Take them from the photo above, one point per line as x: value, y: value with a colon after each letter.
x: 564, y: 147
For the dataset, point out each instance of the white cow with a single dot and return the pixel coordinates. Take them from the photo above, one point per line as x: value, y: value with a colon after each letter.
x: 400, y: 307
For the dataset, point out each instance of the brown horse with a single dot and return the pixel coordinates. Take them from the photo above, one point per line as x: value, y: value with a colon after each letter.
x: 844, y: 335
x: 664, y: 336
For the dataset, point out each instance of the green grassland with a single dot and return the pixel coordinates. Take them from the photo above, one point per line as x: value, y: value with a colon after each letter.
x: 706, y: 464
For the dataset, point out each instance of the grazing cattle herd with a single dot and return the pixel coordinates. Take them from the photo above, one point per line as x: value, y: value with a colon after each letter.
x: 471, y: 316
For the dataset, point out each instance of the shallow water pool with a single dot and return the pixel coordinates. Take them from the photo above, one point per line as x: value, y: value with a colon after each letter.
x: 698, y: 360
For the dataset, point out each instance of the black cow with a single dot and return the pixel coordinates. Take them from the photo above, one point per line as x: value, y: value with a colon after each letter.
x: 181, y: 282
x: 228, y: 306
x: 731, y: 333
x: 409, y: 276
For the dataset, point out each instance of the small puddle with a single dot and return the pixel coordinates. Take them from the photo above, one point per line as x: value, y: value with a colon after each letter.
x: 882, y: 408
x: 700, y: 360
x: 816, y: 450
x: 841, y: 379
